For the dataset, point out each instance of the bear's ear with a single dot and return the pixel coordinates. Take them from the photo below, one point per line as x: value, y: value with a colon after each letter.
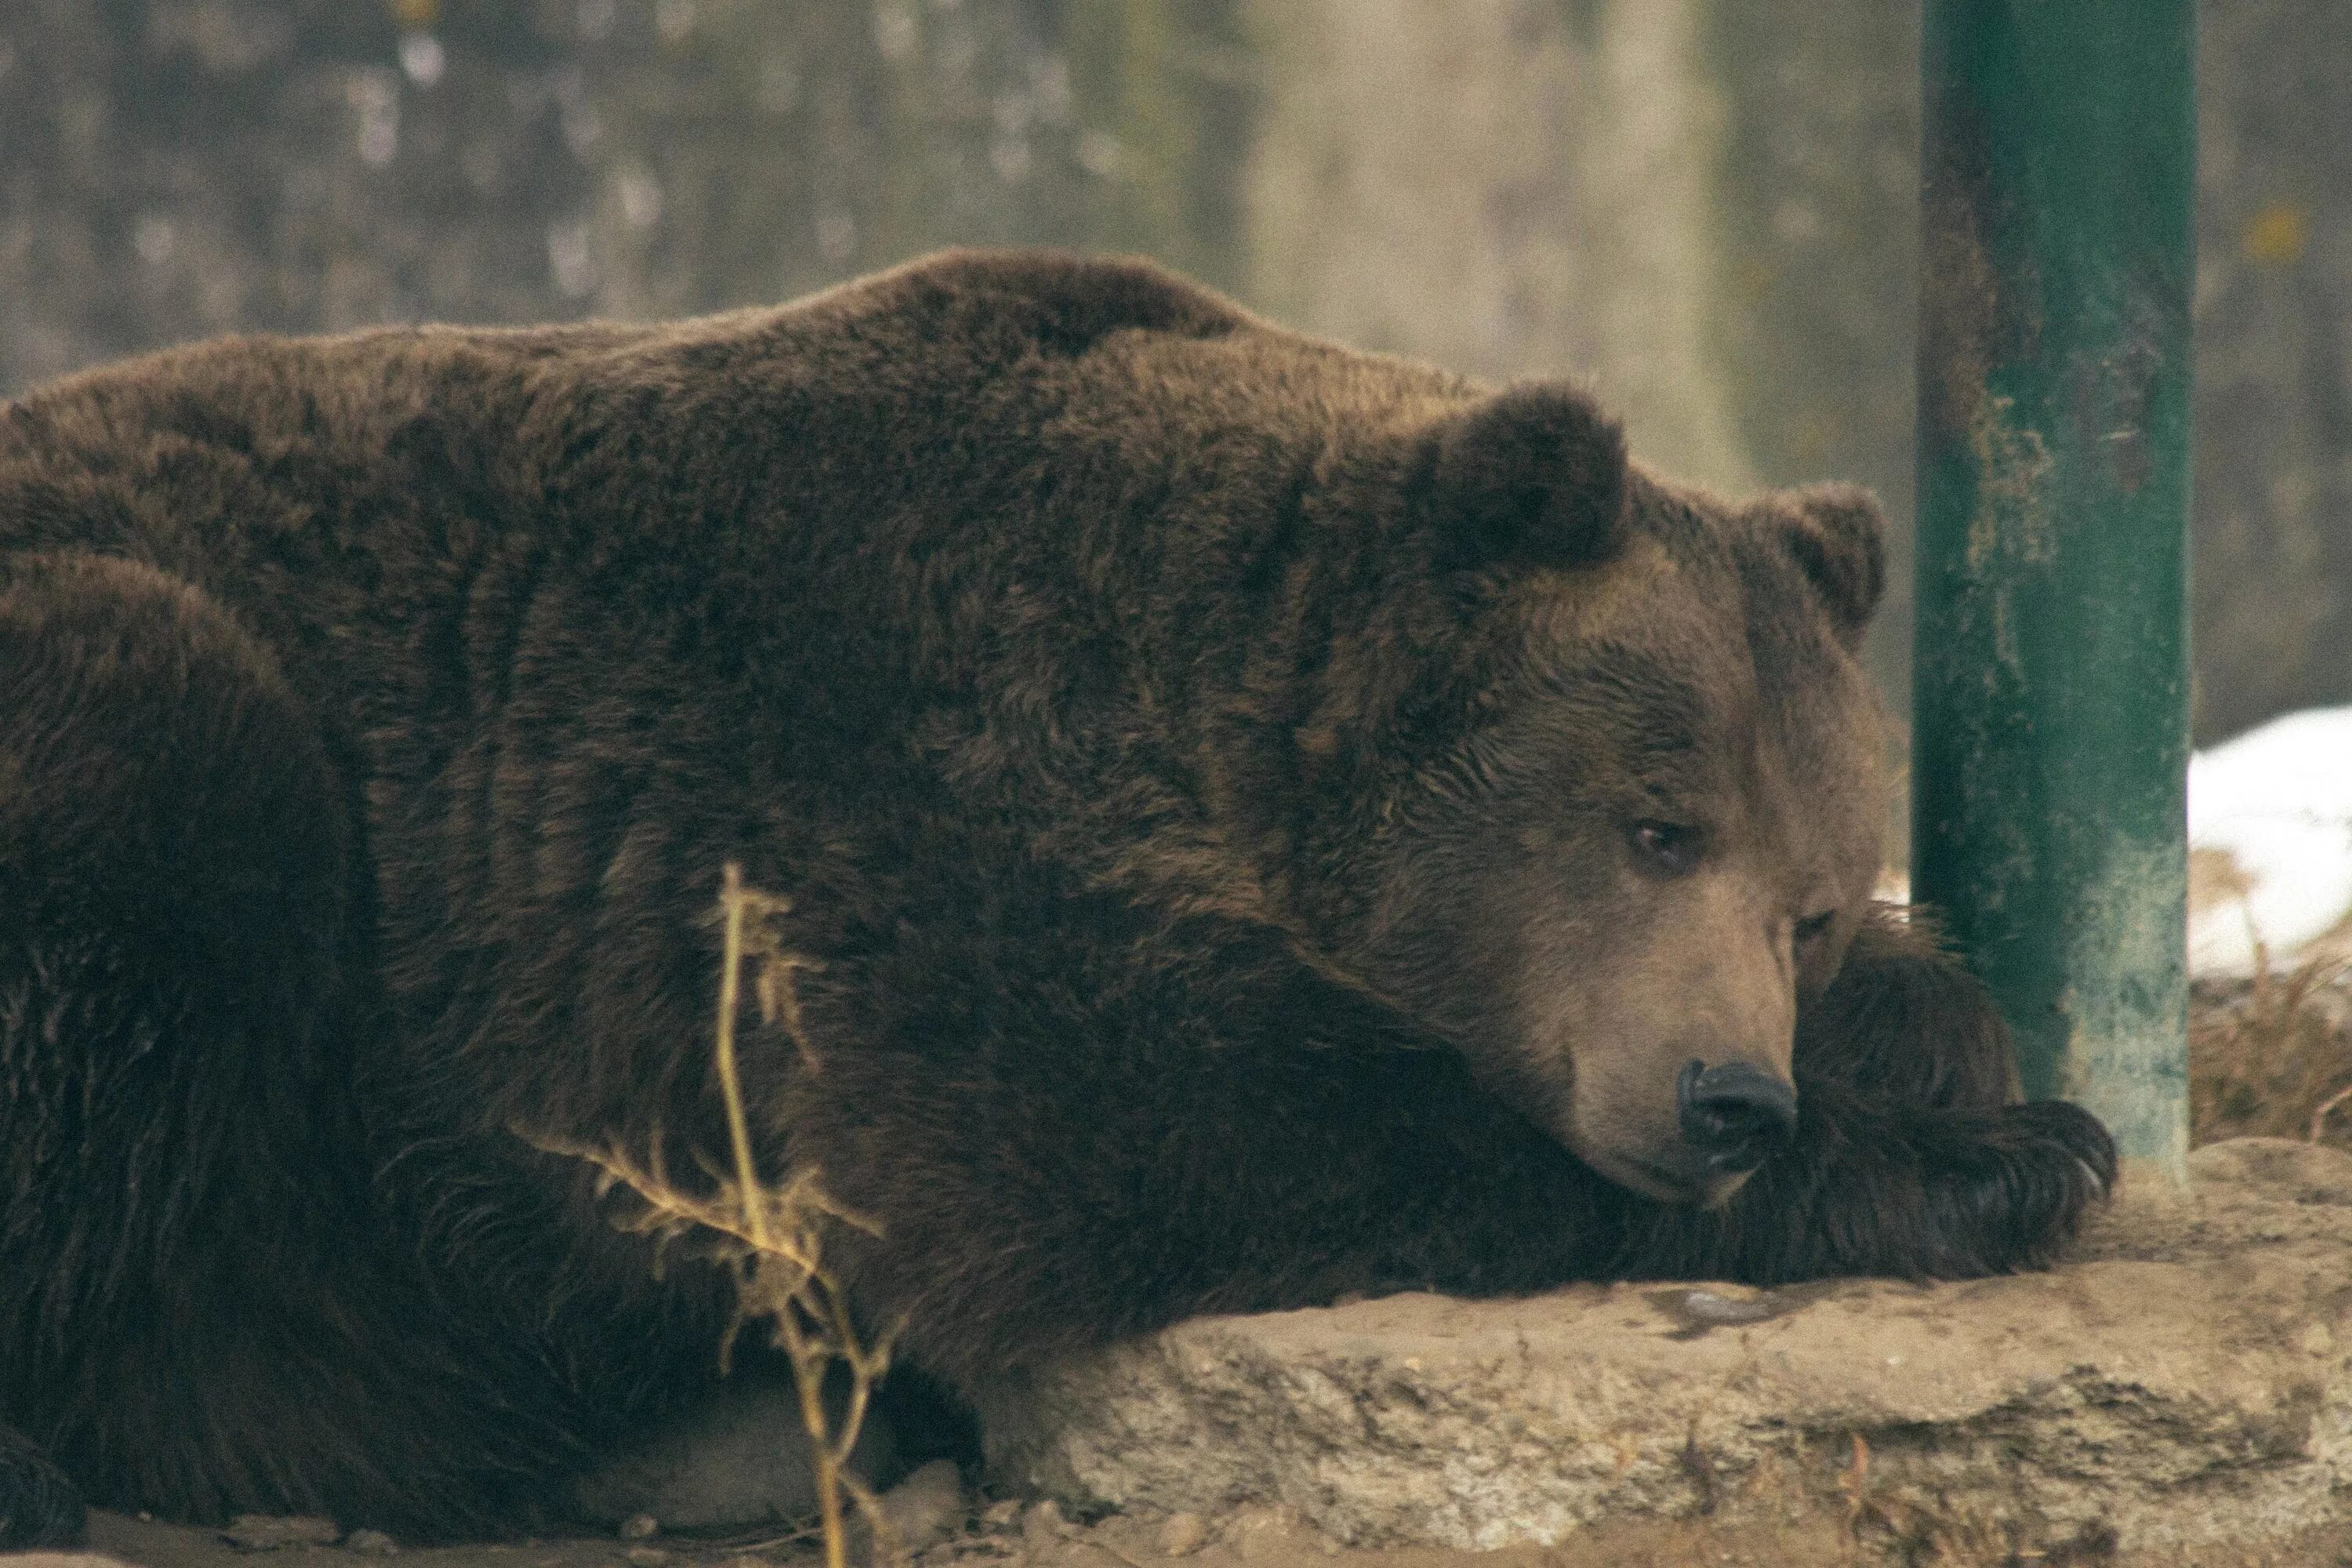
x: 1533, y: 476
x: 1839, y: 537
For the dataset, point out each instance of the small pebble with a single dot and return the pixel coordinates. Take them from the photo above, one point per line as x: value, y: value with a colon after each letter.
x: 1043, y: 1526
x: 268, y: 1532
x: 374, y: 1542
x: 1183, y: 1534
x: 639, y: 1526
x: 1712, y: 1307
x: 926, y: 1505
x: 1002, y: 1515
x: 1259, y: 1534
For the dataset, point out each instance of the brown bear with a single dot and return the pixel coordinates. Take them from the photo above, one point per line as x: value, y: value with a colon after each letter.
x: 1263, y: 822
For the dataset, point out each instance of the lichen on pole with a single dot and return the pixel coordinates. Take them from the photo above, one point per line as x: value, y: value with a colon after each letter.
x: 2049, y: 742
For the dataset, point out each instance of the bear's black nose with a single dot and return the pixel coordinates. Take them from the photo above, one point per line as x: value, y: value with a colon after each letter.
x: 1735, y: 1115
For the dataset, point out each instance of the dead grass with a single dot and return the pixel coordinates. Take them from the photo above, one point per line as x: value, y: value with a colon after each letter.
x: 772, y: 1234
x: 2272, y: 1058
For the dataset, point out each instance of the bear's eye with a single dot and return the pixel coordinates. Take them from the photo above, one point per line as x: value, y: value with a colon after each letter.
x: 1667, y: 847
x: 1814, y: 927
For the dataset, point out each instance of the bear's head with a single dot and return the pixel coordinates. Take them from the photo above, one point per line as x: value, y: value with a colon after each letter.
x: 1613, y: 778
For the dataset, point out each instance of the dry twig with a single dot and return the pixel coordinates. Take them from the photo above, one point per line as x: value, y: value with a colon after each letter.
x: 772, y: 1235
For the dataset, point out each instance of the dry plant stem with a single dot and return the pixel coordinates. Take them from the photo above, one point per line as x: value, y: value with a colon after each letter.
x: 2319, y: 1116
x: 1855, y: 1483
x: 811, y: 1388
x: 809, y: 1354
x: 828, y: 1475
x: 730, y: 1084
x: 785, y: 1280
x: 773, y: 1235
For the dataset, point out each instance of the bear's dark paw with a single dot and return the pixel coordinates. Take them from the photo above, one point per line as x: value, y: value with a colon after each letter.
x: 2017, y: 1197
x: 39, y: 1506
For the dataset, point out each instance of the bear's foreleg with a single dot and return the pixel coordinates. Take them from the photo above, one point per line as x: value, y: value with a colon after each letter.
x: 1905, y: 1020
x: 1115, y: 1121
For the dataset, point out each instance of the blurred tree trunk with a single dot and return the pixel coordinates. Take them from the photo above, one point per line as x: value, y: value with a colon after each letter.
x: 2272, y: 606
x: 1510, y: 189
x: 174, y: 168
x: 1703, y: 207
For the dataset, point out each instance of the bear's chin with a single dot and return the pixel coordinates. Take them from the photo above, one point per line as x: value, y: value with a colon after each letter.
x: 1652, y: 1180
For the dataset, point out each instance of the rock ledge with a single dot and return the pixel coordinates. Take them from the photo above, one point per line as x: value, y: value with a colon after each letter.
x: 2188, y: 1379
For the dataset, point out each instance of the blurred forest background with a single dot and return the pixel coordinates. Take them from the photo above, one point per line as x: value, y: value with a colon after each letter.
x: 1704, y: 209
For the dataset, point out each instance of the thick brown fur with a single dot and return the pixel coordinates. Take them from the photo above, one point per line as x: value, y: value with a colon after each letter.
x: 1199, y: 762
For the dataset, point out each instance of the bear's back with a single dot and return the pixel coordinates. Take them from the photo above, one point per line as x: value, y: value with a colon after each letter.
x: 227, y: 454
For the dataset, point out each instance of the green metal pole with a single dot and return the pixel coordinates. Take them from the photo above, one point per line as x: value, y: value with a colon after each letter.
x: 2050, y: 740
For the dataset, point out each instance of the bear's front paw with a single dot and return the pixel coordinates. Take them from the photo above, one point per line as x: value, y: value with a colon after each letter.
x: 2016, y: 1196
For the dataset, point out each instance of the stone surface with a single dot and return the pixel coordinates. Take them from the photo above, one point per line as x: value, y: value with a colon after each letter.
x: 1042, y: 1525
x: 741, y: 1458
x: 271, y: 1532
x: 926, y: 1505
x: 2189, y: 1379
x: 1182, y: 1534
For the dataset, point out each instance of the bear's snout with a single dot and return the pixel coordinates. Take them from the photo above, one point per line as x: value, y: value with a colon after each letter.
x: 1735, y: 1116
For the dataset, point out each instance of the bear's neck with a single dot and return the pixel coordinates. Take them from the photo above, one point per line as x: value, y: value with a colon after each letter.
x: 1193, y: 728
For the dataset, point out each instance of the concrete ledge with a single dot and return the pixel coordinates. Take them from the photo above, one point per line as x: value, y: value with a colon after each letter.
x: 2188, y: 1380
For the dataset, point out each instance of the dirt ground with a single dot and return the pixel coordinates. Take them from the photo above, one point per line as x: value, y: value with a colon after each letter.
x: 1007, y: 1537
